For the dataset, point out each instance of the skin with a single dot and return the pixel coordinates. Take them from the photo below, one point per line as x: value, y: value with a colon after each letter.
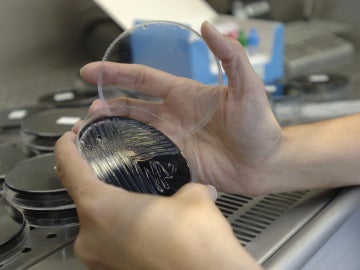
x: 222, y: 157
x: 124, y: 230
x: 242, y: 149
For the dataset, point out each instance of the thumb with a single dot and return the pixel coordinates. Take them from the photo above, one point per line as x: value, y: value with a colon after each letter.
x: 197, y: 191
x: 233, y: 58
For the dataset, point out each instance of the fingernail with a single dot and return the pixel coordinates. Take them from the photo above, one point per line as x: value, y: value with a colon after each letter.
x: 81, y: 69
x: 213, y: 192
x: 211, y: 27
x: 77, y: 126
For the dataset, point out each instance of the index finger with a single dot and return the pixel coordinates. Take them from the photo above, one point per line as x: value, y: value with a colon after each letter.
x: 74, y: 172
x: 134, y: 76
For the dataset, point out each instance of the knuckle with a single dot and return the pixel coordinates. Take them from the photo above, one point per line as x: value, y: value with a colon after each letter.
x: 59, y: 169
x: 82, y: 251
x: 79, y: 247
x: 140, y: 77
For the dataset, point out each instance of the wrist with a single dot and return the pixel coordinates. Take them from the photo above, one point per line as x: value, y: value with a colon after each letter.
x: 276, y: 173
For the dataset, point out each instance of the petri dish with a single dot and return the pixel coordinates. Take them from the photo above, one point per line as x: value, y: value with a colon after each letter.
x: 319, y: 87
x: 10, y: 155
x: 35, y: 179
x: 33, y: 188
x: 143, y: 143
x: 69, y: 97
x: 175, y: 49
x: 12, y: 118
x: 53, y: 122
x: 133, y: 155
x: 41, y: 130
x: 13, y: 233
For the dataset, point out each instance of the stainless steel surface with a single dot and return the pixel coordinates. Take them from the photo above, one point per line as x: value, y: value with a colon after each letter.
x: 307, y: 241
x: 264, y: 223
x: 341, y: 251
x: 61, y: 259
x: 39, y: 244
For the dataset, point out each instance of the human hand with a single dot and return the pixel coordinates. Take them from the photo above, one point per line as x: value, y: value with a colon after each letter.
x: 234, y: 149
x: 125, y: 230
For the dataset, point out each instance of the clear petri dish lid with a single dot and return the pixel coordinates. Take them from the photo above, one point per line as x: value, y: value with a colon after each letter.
x: 172, y: 49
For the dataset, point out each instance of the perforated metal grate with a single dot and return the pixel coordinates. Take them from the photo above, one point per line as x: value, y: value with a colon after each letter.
x: 249, y: 216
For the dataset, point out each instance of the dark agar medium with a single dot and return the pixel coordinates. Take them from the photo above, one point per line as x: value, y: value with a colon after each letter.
x: 33, y: 188
x: 321, y: 86
x: 70, y: 97
x: 13, y: 233
x: 133, y: 155
x: 10, y: 155
x: 12, y: 118
x: 40, y: 131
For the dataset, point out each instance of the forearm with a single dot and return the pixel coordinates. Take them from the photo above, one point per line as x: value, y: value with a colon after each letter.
x: 319, y: 155
x: 223, y: 253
